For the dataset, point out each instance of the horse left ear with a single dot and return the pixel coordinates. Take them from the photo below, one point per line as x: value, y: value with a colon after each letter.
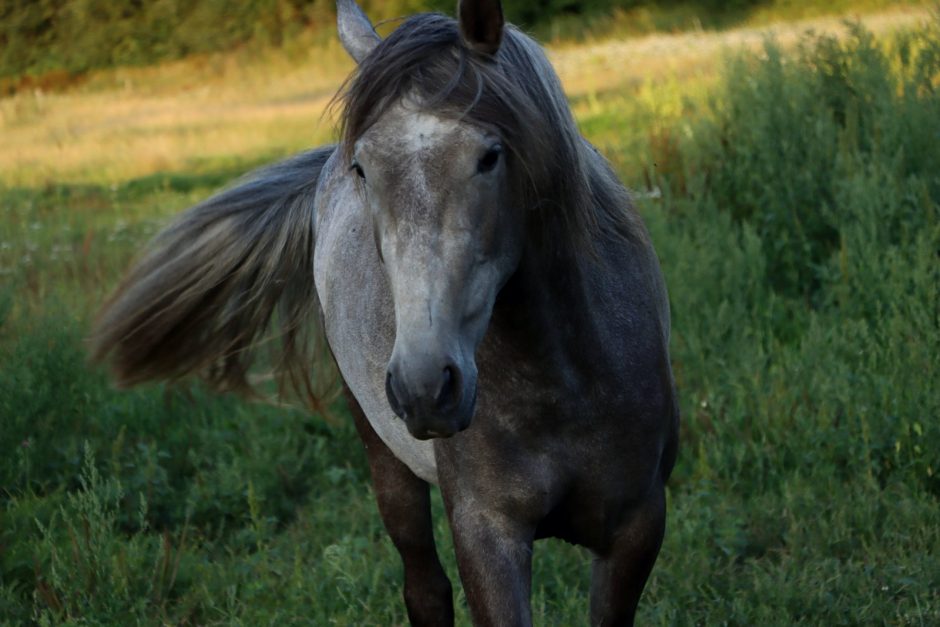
x: 355, y: 30
x: 481, y: 24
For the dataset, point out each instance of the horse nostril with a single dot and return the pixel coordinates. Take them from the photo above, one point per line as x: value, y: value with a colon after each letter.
x: 449, y: 395
x: 392, y: 397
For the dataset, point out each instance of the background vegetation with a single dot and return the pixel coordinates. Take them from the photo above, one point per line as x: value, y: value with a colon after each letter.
x: 50, y: 42
x: 793, y: 193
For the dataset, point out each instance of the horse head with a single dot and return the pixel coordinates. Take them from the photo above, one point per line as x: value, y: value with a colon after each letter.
x: 436, y: 179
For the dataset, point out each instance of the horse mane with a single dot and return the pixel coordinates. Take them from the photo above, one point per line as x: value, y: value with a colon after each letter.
x: 230, y: 278
x: 555, y: 172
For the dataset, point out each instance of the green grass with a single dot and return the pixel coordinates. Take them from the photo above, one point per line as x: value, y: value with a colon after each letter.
x: 797, y: 223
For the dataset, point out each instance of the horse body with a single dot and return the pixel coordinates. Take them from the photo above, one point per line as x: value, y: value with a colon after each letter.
x: 569, y: 438
x: 490, y: 297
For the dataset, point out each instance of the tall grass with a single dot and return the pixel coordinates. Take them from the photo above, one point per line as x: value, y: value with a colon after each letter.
x: 794, y: 206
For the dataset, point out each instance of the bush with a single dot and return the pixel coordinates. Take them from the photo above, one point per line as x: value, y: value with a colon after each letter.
x: 802, y: 260
x: 792, y: 136
x: 800, y: 236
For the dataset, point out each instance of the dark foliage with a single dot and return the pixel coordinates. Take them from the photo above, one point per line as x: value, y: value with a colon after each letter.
x: 38, y: 37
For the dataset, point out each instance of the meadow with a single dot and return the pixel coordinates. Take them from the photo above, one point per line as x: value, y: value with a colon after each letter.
x: 791, y: 184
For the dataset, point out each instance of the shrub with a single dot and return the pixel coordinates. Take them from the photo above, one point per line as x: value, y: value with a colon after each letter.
x: 801, y: 255
x: 791, y: 135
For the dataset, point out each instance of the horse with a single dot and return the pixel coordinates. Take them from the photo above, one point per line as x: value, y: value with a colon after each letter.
x: 486, y: 289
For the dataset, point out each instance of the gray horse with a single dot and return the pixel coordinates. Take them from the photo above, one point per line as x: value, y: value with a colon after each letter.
x: 489, y: 295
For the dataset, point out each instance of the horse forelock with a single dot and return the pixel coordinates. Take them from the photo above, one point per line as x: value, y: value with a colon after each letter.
x: 516, y: 94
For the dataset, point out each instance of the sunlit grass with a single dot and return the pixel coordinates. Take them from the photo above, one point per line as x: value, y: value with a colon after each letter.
x: 677, y: 17
x: 132, y: 122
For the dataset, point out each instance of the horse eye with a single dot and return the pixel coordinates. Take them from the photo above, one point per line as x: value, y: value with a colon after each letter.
x: 358, y: 168
x: 490, y: 159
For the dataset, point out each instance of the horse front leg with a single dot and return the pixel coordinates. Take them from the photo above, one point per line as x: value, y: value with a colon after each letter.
x: 405, y: 506
x: 494, y: 557
x: 619, y: 575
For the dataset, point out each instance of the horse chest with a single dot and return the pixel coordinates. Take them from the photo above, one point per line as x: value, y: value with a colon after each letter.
x: 567, y: 460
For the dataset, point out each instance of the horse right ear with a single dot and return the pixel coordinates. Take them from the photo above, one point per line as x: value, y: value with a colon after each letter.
x: 481, y: 24
x: 355, y: 30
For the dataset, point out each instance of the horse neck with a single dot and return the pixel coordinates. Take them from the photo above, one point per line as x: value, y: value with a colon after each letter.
x: 545, y: 308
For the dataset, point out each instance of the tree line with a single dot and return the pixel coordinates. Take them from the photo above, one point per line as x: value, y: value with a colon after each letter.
x: 74, y: 36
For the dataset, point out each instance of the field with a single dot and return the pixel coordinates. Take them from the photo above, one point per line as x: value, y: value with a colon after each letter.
x: 792, y: 188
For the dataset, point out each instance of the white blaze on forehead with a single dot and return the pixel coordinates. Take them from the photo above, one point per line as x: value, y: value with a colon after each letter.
x: 406, y: 128
x: 416, y: 139
x: 423, y: 130
x: 408, y: 133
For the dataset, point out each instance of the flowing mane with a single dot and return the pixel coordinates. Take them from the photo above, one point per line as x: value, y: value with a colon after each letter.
x: 555, y: 172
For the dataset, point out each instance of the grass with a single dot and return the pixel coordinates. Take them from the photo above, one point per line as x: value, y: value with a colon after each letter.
x: 793, y: 193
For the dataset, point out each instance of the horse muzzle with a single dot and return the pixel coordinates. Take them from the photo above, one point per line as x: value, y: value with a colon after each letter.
x: 435, y: 397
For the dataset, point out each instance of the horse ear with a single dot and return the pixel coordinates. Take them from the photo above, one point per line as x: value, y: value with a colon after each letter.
x: 355, y: 30
x: 481, y: 24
